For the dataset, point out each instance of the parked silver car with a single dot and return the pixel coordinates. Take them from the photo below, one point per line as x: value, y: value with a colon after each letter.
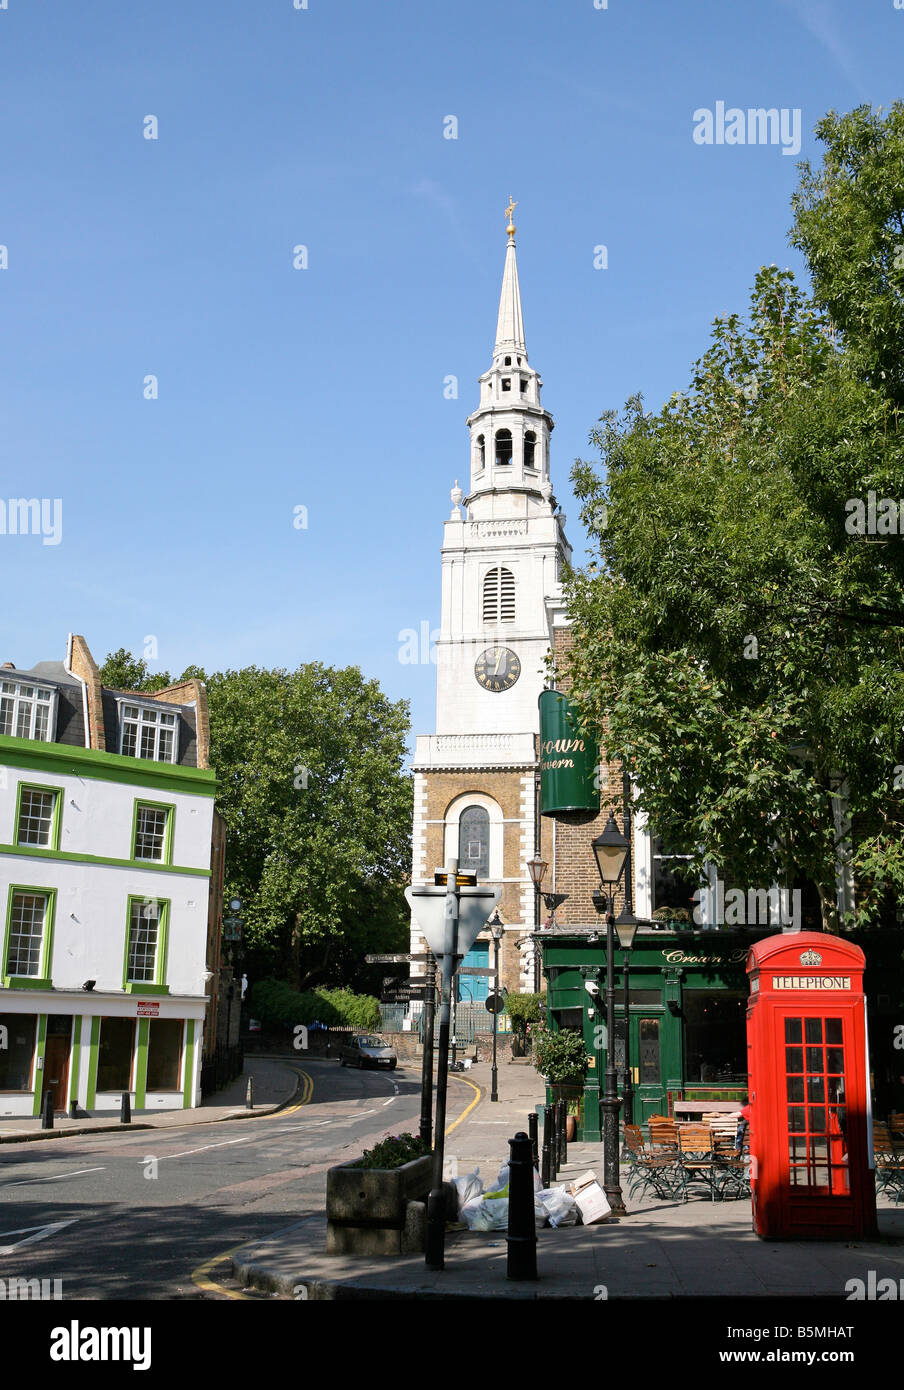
x: 368, y: 1050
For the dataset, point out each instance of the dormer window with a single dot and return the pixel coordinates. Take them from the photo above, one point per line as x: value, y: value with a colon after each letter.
x: 530, y: 449
x: 506, y: 383
x: 26, y: 711
x: 148, y: 733
x: 503, y: 448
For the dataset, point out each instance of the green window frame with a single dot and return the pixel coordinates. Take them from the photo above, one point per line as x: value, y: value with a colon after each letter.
x: 138, y: 806
x: 56, y: 819
x: 42, y: 979
x: 158, y: 984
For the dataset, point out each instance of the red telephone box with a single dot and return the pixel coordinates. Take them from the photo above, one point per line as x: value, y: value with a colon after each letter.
x: 809, y: 1089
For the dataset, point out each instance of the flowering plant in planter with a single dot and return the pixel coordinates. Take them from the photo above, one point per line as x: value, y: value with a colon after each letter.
x: 394, y: 1151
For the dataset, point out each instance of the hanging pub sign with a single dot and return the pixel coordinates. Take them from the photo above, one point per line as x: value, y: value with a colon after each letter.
x: 568, y: 760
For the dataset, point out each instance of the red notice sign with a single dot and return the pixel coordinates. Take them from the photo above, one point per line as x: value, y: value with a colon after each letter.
x: 148, y: 1008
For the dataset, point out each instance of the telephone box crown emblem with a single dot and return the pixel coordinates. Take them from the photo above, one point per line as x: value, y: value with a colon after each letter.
x: 810, y: 958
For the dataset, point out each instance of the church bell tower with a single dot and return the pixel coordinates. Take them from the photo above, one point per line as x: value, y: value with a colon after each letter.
x: 502, y: 552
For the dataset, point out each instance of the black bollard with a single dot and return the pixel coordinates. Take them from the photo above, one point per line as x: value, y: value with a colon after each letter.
x: 560, y: 1135
x: 125, y: 1112
x: 546, y: 1173
x: 532, y: 1131
x: 73, y: 1110
x: 564, y: 1140
x: 522, y: 1229
x: 47, y: 1111
x: 553, y: 1142
x: 249, y: 1094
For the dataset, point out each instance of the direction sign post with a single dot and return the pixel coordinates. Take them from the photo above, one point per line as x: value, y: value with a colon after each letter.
x: 450, y: 916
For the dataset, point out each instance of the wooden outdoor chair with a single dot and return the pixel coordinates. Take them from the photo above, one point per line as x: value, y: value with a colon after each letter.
x: 695, y: 1156
x: 888, y: 1156
x: 650, y: 1168
x: 731, y: 1158
x: 663, y: 1133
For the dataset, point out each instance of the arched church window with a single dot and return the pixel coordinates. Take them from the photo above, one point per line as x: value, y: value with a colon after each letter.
x: 503, y: 448
x: 481, y: 452
x: 508, y: 361
x: 530, y: 449
x: 499, y: 596
x: 474, y: 841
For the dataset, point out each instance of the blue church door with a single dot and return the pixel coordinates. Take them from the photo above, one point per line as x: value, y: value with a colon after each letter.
x: 475, y: 987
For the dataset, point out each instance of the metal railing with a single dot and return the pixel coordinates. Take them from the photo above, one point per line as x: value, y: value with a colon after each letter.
x: 224, y: 1066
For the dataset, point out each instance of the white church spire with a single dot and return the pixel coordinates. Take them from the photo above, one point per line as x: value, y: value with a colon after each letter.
x: 510, y: 323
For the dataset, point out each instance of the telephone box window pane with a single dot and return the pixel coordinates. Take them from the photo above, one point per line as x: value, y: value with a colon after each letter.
x: 814, y: 1059
x: 798, y: 1148
x: 836, y: 1088
x: 834, y: 1059
x: 796, y: 1122
x: 816, y: 1089
x: 793, y: 1030
x: 833, y: 1030
x: 814, y: 1030
x: 794, y: 1059
x: 795, y: 1088
x: 817, y: 1119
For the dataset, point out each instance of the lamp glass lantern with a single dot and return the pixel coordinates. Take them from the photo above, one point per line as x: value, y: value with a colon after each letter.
x: 537, y: 867
x: 610, y: 850
x: 626, y: 929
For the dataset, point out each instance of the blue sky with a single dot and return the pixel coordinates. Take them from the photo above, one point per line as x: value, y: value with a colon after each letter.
x: 322, y: 388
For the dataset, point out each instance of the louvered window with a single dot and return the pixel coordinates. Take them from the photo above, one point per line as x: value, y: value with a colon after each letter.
x: 499, y: 596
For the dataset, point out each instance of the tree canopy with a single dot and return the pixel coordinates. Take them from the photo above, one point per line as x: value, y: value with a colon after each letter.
x: 738, y: 642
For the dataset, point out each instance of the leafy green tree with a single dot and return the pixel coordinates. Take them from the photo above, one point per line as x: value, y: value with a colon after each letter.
x: 123, y: 671
x: 318, y: 814
x: 849, y: 222
x: 736, y: 645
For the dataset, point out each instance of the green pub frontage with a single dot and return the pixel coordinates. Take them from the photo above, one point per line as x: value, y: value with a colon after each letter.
x: 687, y: 1040
x: 686, y: 1019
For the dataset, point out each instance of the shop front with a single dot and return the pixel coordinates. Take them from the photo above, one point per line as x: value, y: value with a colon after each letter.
x: 685, y: 1024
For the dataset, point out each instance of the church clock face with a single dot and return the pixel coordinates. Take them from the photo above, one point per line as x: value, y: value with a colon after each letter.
x: 497, y: 668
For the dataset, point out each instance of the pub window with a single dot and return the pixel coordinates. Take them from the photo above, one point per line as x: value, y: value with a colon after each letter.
x: 474, y: 841
x: 145, y: 961
x: 17, y: 1034
x: 164, y: 1054
x: 715, y: 1036
x: 152, y: 832
x: 29, y: 917
x: 114, y: 1060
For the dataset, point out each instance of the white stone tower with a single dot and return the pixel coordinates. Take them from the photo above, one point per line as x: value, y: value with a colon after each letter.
x: 501, y: 562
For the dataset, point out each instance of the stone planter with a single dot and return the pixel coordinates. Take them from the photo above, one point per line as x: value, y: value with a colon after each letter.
x: 377, y: 1211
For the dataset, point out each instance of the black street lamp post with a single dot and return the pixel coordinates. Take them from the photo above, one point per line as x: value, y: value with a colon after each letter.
x: 497, y: 929
x: 610, y: 850
x: 626, y: 927
x: 537, y: 867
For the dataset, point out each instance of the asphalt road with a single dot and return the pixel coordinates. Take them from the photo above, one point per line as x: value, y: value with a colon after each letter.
x: 152, y: 1215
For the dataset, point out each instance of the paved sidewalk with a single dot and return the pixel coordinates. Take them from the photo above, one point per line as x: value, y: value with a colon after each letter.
x: 276, y: 1082
x: 661, y: 1249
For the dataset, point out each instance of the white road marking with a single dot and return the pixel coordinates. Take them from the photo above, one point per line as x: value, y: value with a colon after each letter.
x: 40, y: 1233
x: 389, y: 1102
x: 246, y: 1139
x: 56, y: 1177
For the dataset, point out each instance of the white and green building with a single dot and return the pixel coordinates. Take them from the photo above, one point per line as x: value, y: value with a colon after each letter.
x: 110, y: 915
